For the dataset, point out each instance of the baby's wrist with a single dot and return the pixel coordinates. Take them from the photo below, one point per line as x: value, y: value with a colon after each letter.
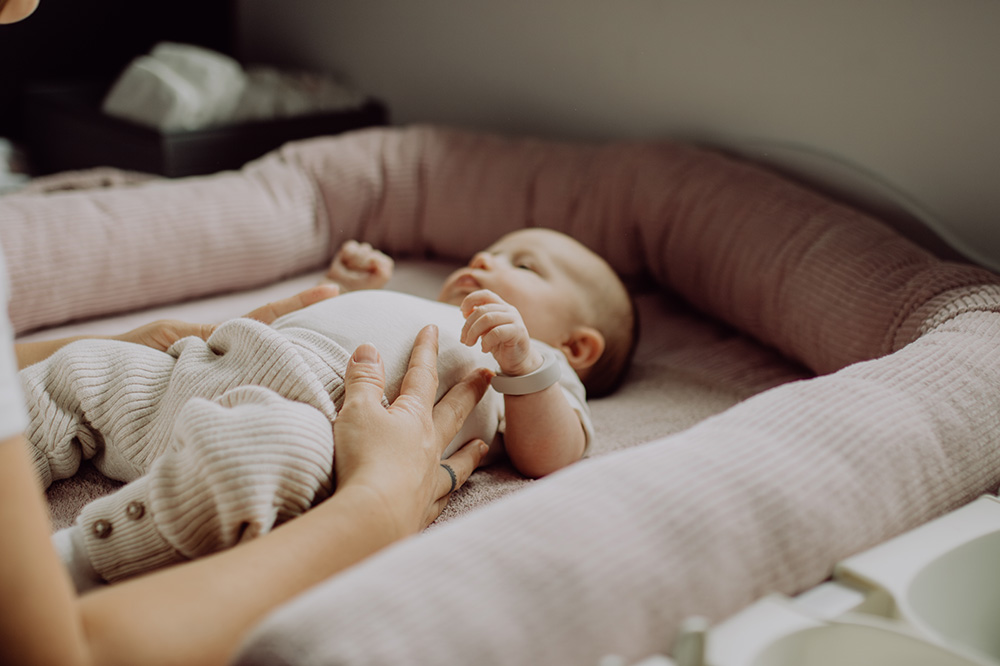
x: 531, y: 362
x: 542, y: 377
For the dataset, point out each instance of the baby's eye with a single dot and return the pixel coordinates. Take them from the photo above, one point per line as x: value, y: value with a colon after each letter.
x: 524, y: 262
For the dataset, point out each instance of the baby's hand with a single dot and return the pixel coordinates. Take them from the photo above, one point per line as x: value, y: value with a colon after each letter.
x: 499, y: 326
x: 359, y: 266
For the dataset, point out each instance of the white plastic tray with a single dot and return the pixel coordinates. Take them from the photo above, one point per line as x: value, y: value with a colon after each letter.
x: 928, y: 597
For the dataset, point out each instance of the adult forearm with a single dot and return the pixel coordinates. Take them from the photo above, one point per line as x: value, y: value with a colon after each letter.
x: 39, y: 622
x: 162, y: 333
x: 194, y: 613
x: 197, y: 613
x: 29, y: 353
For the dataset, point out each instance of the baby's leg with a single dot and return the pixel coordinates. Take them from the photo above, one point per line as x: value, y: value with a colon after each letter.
x: 70, y: 546
x: 116, y: 402
x: 237, y: 467
x: 87, y: 395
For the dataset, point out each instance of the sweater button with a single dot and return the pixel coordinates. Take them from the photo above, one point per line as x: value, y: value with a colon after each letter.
x: 102, y: 529
x: 135, y: 510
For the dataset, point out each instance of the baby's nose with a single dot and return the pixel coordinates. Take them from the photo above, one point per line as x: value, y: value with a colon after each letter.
x: 482, y: 260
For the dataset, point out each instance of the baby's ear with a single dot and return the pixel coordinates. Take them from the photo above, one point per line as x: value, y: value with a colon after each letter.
x: 583, y: 347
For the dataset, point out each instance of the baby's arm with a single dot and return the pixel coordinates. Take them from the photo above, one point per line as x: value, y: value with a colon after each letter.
x: 359, y: 266
x: 543, y: 432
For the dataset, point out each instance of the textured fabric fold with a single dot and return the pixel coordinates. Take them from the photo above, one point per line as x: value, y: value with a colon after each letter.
x: 117, y: 403
x: 821, y: 282
x: 237, y: 467
x: 87, y: 253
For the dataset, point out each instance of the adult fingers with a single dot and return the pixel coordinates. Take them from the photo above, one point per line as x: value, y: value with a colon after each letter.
x: 267, y: 314
x: 162, y: 333
x: 461, y: 464
x: 455, y: 406
x: 183, y: 329
x: 364, y: 380
x: 420, y: 382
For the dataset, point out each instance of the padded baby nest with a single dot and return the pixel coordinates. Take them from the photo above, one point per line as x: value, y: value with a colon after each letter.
x: 611, y: 554
x: 819, y: 281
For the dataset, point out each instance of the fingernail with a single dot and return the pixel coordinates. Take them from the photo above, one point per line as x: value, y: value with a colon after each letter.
x: 483, y: 448
x: 365, y: 354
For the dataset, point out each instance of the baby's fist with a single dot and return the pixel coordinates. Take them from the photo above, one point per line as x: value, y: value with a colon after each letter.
x: 501, y: 331
x: 359, y: 266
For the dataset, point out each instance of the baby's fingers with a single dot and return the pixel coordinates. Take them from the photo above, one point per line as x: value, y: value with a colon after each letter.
x: 382, y: 263
x: 480, y: 298
x: 482, y: 319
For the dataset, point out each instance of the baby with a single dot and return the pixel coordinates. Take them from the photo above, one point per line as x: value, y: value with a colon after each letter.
x: 534, y: 297
x: 221, y: 440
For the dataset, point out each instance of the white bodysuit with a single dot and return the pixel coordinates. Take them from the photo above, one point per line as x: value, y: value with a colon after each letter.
x: 221, y: 440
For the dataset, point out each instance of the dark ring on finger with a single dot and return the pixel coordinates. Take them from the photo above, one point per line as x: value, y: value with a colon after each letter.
x: 454, y: 479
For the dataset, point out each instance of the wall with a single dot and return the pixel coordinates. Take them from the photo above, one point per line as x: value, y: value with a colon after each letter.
x: 897, y: 101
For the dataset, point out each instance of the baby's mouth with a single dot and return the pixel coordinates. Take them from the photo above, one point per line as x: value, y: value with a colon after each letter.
x: 459, y: 287
x: 466, y: 283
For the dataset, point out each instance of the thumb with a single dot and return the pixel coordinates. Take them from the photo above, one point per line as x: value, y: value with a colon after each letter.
x: 364, y: 380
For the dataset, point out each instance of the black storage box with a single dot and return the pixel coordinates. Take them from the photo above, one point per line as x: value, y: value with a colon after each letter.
x: 65, y: 129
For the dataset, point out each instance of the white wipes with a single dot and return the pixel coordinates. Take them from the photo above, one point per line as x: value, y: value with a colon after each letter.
x: 180, y: 87
x: 177, y: 87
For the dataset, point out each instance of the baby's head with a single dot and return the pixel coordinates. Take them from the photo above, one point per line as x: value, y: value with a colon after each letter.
x: 568, y: 297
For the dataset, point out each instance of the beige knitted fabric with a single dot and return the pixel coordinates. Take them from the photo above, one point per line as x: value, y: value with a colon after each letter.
x: 226, y: 438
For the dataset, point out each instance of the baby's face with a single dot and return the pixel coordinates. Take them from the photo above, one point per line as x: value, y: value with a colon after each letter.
x: 538, y: 271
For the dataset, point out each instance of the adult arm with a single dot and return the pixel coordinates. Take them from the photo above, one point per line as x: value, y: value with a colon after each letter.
x: 162, y: 333
x: 390, y: 485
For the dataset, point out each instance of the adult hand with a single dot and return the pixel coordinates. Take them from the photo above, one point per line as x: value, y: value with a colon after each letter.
x: 165, y: 332
x: 396, y: 453
x: 267, y: 314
